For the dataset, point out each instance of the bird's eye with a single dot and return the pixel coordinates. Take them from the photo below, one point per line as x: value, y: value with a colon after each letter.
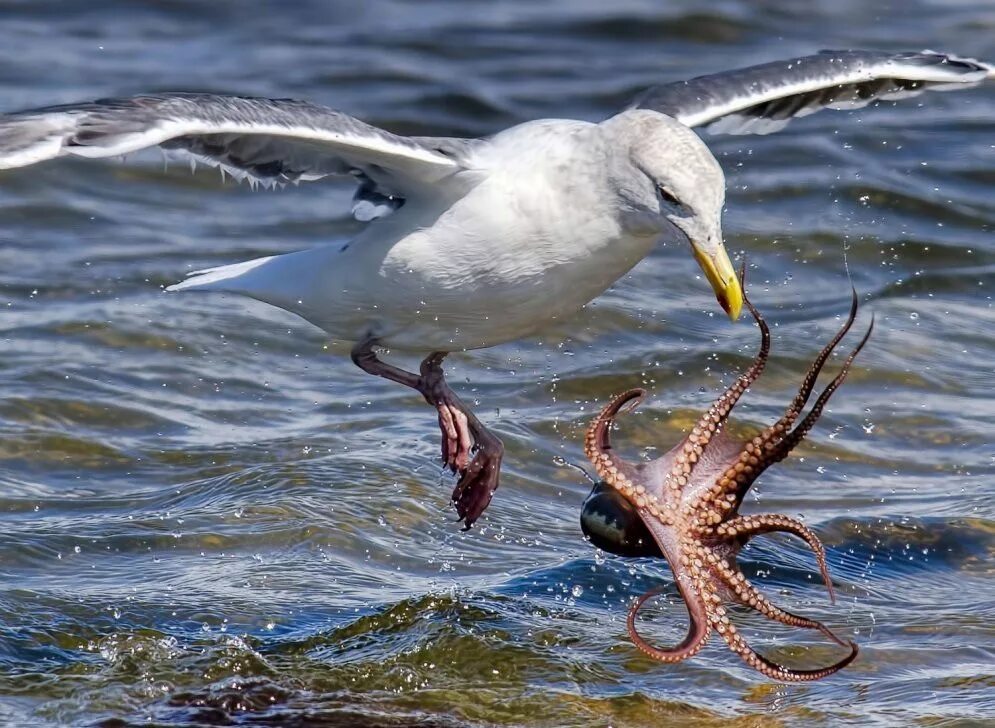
x: 668, y: 197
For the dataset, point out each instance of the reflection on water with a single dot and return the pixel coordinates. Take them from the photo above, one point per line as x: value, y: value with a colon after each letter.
x: 207, y: 516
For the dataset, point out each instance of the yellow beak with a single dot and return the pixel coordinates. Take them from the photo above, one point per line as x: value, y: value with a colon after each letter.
x: 721, y: 275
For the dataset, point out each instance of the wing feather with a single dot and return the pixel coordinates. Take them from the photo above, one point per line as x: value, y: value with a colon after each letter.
x: 267, y: 140
x: 762, y: 99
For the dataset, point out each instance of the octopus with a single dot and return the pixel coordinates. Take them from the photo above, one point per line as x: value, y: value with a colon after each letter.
x: 685, y: 507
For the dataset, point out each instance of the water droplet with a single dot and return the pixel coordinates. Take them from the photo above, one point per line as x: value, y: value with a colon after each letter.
x: 914, y: 316
x: 577, y: 590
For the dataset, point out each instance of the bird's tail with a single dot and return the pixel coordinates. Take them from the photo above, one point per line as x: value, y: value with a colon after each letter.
x: 221, y: 278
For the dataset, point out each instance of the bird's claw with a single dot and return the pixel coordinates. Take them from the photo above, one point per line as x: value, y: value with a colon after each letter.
x: 457, y: 442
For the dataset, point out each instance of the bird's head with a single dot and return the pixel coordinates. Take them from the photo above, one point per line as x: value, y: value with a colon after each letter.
x: 671, y: 185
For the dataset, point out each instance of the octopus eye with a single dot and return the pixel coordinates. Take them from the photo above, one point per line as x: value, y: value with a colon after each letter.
x: 613, y: 524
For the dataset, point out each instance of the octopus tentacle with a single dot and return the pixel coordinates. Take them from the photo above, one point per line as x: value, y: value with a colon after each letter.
x: 768, y: 439
x: 790, y: 441
x: 719, y: 619
x: 706, y: 427
x: 745, y: 527
x: 808, y: 383
x: 773, y: 670
x: 748, y: 595
x: 597, y: 443
x: 699, y: 628
x: 772, y: 446
x: 702, y: 434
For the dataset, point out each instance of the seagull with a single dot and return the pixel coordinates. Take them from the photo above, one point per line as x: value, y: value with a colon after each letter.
x: 470, y: 243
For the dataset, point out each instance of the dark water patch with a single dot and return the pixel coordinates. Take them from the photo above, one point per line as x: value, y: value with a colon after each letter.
x: 684, y: 28
x: 906, y: 545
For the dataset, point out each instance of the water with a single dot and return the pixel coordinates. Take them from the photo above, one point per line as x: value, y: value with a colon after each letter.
x: 206, y: 516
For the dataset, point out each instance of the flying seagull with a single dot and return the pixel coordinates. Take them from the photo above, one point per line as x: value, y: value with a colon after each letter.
x: 475, y: 242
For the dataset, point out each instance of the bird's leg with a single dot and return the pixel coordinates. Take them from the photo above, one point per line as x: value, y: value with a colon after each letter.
x: 478, y: 478
x: 457, y: 441
x: 462, y: 432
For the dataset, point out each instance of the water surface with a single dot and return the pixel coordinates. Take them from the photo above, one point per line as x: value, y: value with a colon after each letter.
x: 209, y: 516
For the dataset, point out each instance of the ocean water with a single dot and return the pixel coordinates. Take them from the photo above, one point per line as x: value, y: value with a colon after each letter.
x: 209, y: 516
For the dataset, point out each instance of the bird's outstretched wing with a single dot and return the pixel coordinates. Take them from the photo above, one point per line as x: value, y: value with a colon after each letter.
x: 269, y: 141
x: 762, y: 99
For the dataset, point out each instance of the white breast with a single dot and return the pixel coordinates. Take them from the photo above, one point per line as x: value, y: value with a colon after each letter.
x: 533, y: 242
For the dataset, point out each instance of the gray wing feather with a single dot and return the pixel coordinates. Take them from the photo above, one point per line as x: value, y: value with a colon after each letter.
x: 270, y: 141
x: 762, y: 99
